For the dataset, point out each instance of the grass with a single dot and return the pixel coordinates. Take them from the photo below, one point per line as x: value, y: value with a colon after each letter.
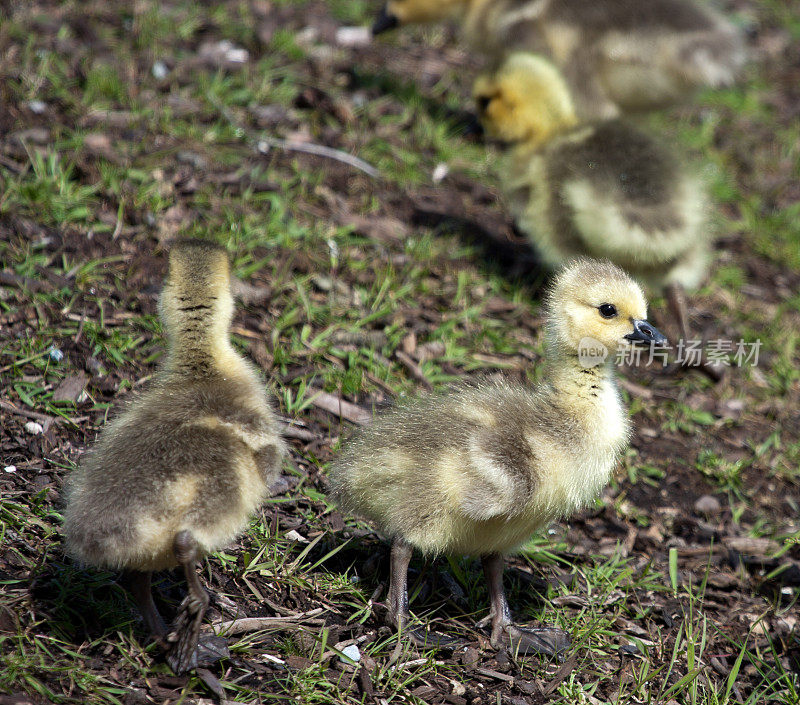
x: 341, y: 304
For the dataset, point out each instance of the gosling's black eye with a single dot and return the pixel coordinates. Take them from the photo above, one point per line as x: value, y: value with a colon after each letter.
x: 483, y: 102
x: 607, y: 310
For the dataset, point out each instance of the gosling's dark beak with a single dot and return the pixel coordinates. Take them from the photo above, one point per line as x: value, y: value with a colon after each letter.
x: 644, y: 332
x: 384, y: 22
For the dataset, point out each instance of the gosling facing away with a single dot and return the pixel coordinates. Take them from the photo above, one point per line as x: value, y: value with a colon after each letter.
x: 617, y: 55
x: 602, y: 189
x: 477, y: 470
x: 177, y: 474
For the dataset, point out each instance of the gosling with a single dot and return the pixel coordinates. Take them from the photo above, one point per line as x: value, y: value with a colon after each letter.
x: 603, y: 189
x: 617, y: 55
x: 476, y: 471
x: 178, y: 473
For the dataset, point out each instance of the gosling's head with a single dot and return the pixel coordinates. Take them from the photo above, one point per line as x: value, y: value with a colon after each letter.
x: 596, y: 300
x: 525, y: 100
x: 396, y: 13
x: 196, y: 297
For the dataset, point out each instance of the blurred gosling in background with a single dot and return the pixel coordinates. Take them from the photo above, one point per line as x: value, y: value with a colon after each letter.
x: 603, y: 189
x: 618, y: 56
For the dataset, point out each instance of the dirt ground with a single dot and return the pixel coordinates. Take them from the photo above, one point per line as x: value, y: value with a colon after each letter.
x: 104, y: 157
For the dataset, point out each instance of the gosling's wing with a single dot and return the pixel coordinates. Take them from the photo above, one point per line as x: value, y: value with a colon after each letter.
x: 500, y: 476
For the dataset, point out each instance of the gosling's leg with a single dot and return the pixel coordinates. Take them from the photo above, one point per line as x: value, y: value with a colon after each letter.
x: 184, y: 652
x: 398, y: 584
x: 676, y: 300
x: 549, y: 641
x: 399, y: 615
x: 138, y: 582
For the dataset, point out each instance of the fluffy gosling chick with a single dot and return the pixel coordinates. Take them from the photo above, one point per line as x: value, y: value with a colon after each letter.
x: 177, y: 474
x: 605, y: 189
x: 617, y: 55
x: 477, y: 470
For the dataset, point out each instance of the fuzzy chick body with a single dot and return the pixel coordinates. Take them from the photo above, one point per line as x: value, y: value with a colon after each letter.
x: 479, y: 469
x: 196, y: 452
x: 617, y: 55
x: 603, y: 190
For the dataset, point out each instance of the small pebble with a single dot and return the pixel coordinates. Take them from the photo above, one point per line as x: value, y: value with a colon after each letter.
x: 440, y: 171
x: 160, y: 70
x: 37, y: 106
x: 707, y: 504
x: 10, y: 468
x: 56, y: 355
x: 33, y: 428
x: 351, y: 652
x: 458, y: 688
x: 353, y: 36
x: 295, y: 536
x: 228, y: 51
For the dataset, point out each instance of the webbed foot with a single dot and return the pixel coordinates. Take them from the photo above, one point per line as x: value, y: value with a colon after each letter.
x: 207, y: 650
x: 182, y: 640
x: 183, y: 650
x: 545, y: 641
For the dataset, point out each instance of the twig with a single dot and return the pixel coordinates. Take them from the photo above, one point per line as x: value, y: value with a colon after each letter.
x: 280, y: 609
x: 751, y: 546
x: 413, y: 368
x: 320, y: 150
x: 8, y: 278
x: 27, y: 414
x: 301, y: 434
x: 489, y: 673
x: 254, y: 624
x: 561, y: 674
x: 340, y: 407
x: 264, y: 144
x: 80, y: 326
x: 414, y: 662
x: 692, y: 551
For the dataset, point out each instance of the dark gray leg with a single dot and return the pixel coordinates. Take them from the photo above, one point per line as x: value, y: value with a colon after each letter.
x: 676, y: 300
x: 398, y: 583
x: 138, y: 583
x: 185, y: 629
x: 399, y: 615
x: 499, y: 613
x: 549, y: 641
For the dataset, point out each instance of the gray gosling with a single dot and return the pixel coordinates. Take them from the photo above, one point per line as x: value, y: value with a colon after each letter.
x: 477, y: 470
x: 179, y: 472
x: 618, y: 56
x: 602, y: 189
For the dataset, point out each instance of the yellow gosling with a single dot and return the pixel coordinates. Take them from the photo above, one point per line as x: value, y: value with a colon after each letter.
x: 478, y: 469
x: 178, y: 473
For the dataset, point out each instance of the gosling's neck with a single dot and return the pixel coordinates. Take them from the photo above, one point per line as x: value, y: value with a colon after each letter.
x: 199, y: 345
x: 571, y: 377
